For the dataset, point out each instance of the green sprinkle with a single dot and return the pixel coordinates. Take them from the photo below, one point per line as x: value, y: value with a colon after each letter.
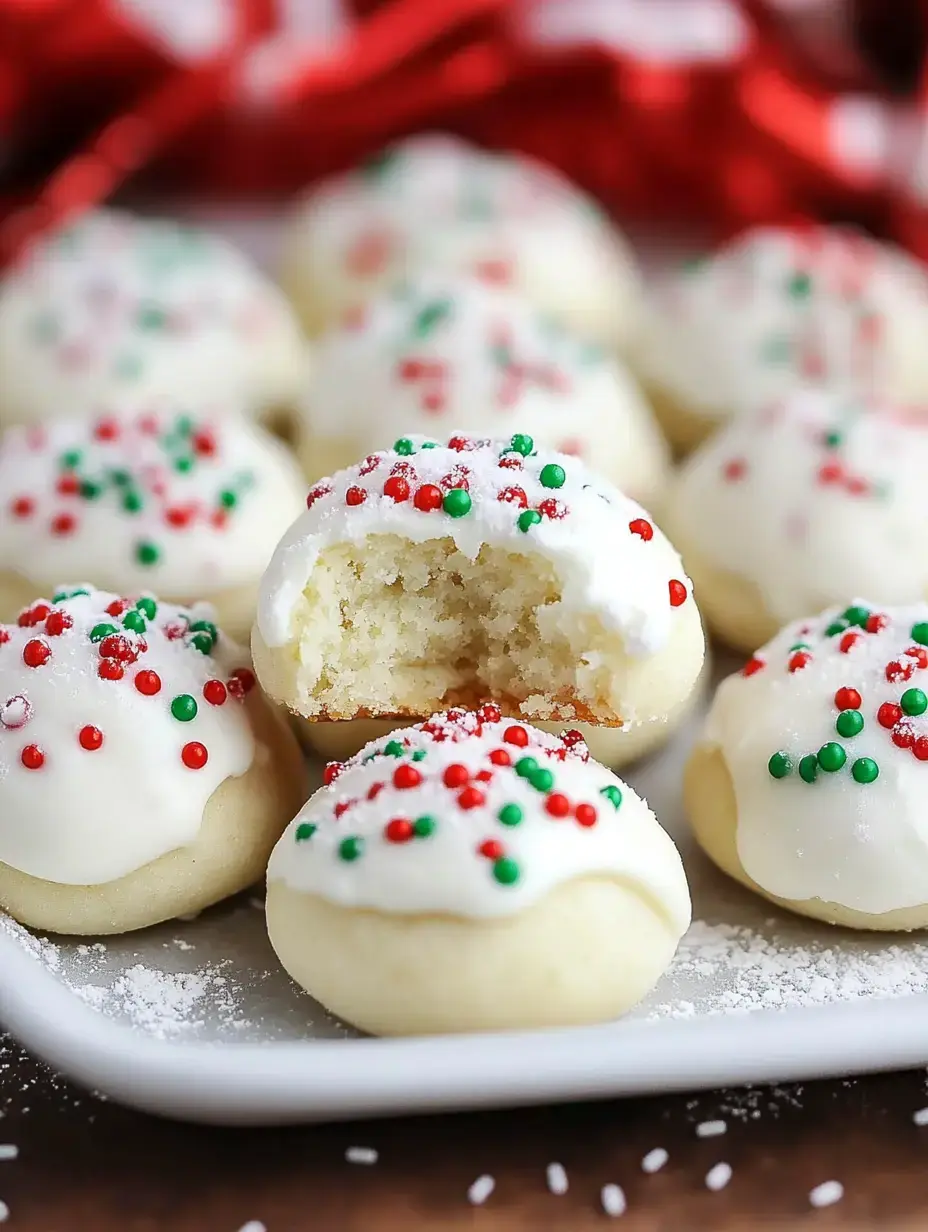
x: 510, y: 815
x: 127, y: 367
x: 612, y: 794
x: 184, y: 708
x: 542, y: 780
x: 832, y: 439
x: 526, y: 767
x: 147, y: 553
x: 914, y: 701
x: 228, y: 499
x: 527, y: 519
x: 394, y: 749
x: 183, y: 464
x: 457, y: 503
x: 780, y: 765
x: 424, y: 827
x: 120, y: 478
x: 419, y: 755
x: 305, y: 830
x: 90, y: 489
x: 856, y: 615
x: 849, y: 723
x: 205, y: 626
x: 799, y: 285
x: 429, y: 316
x: 60, y: 595
x: 834, y: 629
x: 799, y: 646
x: 808, y: 768
x: 184, y: 425
x: 831, y: 757
x: 150, y: 316
x: 147, y: 606
x: 132, y: 501
x: 350, y: 848
x: 202, y: 642
x: 429, y: 445
x: 920, y: 633
x: 98, y: 632
x: 522, y: 444
x: 553, y: 476
x: 404, y: 446
x: 135, y: 621
x: 71, y: 459
x: 506, y: 871
x: 865, y: 770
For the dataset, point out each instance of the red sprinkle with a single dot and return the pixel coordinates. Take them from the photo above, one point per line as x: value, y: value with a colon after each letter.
x: 492, y: 848
x: 355, y: 496
x: 471, y: 797
x: 896, y: 671
x: 91, y: 738
x: 370, y: 463
x: 848, y: 641
x: 734, y: 469
x: 396, y: 488
x: 331, y: 772
x: 106, y: 430
x: 459, y: 443
x: 677, y: 593
x: 342, y: 807
x: 406, y: 776
x: 484, y: 776
x: 919, y: 654
x: 116, y: 646
x: 489, y: 712
x: 32, y: 757
x: 499, y: 757
x: 374, y: 790
x: 752, y: 666
x: 903, y: 735
x: 888, y: 714
x: 36, y: 652
x: 514, y: 496
x: 550, y: 507
x: 179, y: 516
x: 194, y: 755
x: 241, y: 681
x: 428, y: 498
x: 117, y: 607
x: 110, y: 669
x: 148, y: 682
x: 317, y: 493
x: 516, y: 735
x: 399, y: 830
x: 831, y: 472
x: 63, y: 524
x: 57, y: 622
x: 557, y: 804
x: 920, y: 748
x: 799, y: 660
x: 204, y: 443
x: 639, y: 526
x: 68, y: 485
x: 31, y: 616
x: 585, y: 814
x: 847, y: 699
x: 875, y: 622
x: 22, y: 507
x: 511, y: 462
x: 215, y: 692
x: 455, y: 775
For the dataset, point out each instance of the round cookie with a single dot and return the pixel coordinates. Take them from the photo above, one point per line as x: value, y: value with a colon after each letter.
x: 471, y: 874
x: 454, y: 351
x: 432, y: 575
x: 778, y: 308
x: 118, y: 306
x: 187, y: 506
x: 435, y: 203
x: 808, y: 781
x: 142, y: 776
x: 799, y: 505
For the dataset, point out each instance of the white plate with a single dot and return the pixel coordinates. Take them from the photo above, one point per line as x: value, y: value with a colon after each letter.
x: 195, y: 1019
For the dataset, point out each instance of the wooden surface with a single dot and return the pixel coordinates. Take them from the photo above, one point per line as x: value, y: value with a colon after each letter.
x: 88, y: 1166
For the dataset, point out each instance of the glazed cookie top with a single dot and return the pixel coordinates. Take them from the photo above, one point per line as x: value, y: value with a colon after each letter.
x: 118, y: 721
x: 825, y: 734
x: 776, y: 308
x: 508, y: 494
x: 457, y: 351
x: 814, y: 498
x: 474, y: 816
x: 434, y: 202
x: 172, y: 501
x: 119, y: 306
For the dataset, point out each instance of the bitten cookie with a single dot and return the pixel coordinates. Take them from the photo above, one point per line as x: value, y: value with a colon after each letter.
x: 479, y: 570
x: 797, y: 506
x: 184, y: 505
x: 142, y: 776
x: 808, y: 783
x: 776, y: 309
x: 455, y: 351
x: 471, y: 874
x: 435, y: 203
x: 119, y: 306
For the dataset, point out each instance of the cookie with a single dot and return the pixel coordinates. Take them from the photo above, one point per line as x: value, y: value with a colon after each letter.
x: 435, y: 574
x: 119, y: 306
x: 808, y: 781
x: 450, y: 351
x: 142, y: 773
x: 181, y: 504
x: 795, y: 507
x: 473, y: 874
x: 435, y: 203
x: 778, y: 308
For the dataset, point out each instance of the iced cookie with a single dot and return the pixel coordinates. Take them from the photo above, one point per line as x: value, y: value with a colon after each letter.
x: 797, y: 506
x: 438, y: 351
x: 179, y: 504
x: 431, y: 575
x: 142, y: 775
x: 472, y: 874
x: 434, y: 203
x: 809, y: 781
x: 118, y: 306
x: 779, y: 308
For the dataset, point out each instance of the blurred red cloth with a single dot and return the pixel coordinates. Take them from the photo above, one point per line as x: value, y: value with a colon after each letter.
x: 725, y: 112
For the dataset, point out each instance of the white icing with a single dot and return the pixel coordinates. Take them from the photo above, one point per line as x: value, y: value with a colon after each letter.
x: 862, y: 845
x: 86, y: 817
x: 435, y: 203
x: 203, y: 545
x: 117, y: 305
x: 455, y: 351
x: 605, y: 568
x: 744, y: 327
x: 809, y: 517
x: 445, y: 872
